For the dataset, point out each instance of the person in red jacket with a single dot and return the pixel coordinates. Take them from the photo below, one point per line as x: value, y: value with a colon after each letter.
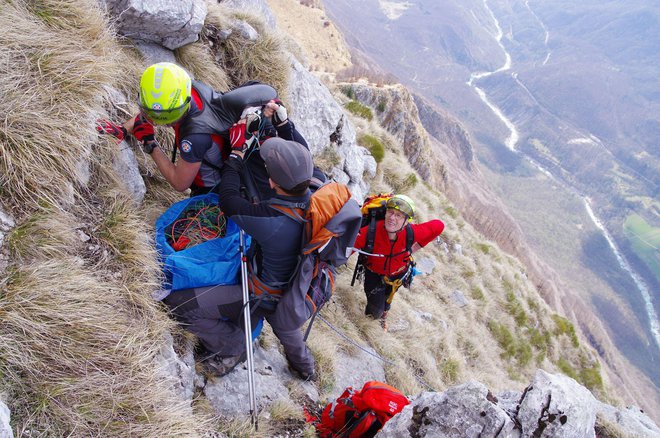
x: 389, y: 266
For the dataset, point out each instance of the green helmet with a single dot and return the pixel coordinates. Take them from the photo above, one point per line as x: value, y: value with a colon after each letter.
x: 402, y: 203
x: 164, y: 93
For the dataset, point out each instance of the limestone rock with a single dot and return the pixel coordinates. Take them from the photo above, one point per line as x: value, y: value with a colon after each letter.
x: 153, y: 53
x: 630, y: 420
x: 459, y: 298
x: 179, y: 370
x: 322, y: 122
x: 229, y: 394
x: 461, y: 411
x: 6, y: 225
x: 555, y: 405
x: 170, y: 23
x: 354, y: 370
x: 254, y: 7
x: 126, y: 166
x: 425, y: 265
x: 5, y: 417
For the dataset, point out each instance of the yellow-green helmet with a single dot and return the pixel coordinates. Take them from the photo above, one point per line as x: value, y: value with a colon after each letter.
x: 164, y: 93
x: 402, y: 203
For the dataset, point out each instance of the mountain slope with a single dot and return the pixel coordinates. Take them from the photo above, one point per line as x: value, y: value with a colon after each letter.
x: 83, y: 343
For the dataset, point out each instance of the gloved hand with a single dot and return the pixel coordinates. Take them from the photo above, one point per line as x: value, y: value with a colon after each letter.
x: 242, y: 136
x: 143, y: 130
x: 252, y: 125
x: 280, y: 115
x: 104, y: 126
x: 237, y: 137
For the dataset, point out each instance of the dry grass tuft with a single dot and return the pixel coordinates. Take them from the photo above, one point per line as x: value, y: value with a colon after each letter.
x: 81, y: 361
x: 56, y: 58
x: 262, y: 59
x: 198, y: 59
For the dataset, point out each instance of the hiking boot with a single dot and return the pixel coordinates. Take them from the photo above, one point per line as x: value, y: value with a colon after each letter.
x: 383, y: 322
x: 302, y: 375
x: 220, y: 366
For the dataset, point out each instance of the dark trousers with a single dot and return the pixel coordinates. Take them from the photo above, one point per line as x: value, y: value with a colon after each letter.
x: 214, y: 314
x: 377, y: 293
x: 291, y: 338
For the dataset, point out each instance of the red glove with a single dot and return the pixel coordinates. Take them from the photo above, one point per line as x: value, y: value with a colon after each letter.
x: 237, y: 137
x: 104, y: 126
x: 142, y: 130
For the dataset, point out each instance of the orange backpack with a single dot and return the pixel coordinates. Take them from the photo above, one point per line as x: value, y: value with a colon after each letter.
x: 331, y: 222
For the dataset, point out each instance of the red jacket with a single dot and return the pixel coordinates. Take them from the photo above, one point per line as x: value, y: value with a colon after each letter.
x: 397, y: 257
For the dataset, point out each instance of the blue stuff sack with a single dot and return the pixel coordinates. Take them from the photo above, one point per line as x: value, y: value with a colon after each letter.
x: 213, y: 262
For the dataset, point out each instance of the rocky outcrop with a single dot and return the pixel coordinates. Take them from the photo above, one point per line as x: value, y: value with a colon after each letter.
x: 447, y: 131
x: 126, y: 166
x: 324, y: 124
x: 552, y: 406
x: 178, y: 369
x: 395, y: 109
x: 170, y: 23
x: 229, y: 394
x: 5, y: 417
x: 6, y: 225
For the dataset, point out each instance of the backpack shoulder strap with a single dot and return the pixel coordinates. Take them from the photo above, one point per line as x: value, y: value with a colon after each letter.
x: 294, y: 210
x: 410, y: 237
x: 371, y: 232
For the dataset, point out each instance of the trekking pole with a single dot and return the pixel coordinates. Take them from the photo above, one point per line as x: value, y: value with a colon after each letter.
x: 248, y: 331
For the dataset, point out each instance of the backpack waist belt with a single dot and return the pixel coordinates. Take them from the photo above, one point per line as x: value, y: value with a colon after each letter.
x: 262, y: 290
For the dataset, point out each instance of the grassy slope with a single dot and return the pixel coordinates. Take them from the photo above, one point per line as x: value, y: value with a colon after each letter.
x: 79, y: 331
x: 645, y: 241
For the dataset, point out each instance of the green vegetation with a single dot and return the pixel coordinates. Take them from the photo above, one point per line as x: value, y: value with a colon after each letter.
x: 382, y: 104
x: 374, y: 145
x: 451, y: 212
x: 348, y: 91
x: 476, y: 293
x: 515, y: 309
x: 449, y: 370
x: 587, y: 373
x: 590, y: 377
x: 360, y: 110
x: 483, y: 247
x: 409, y: 182
x: 467, y: 273
x: 645, y: 240
x: 565, y: 327
x: 503, y: 337
x: 566, y: 368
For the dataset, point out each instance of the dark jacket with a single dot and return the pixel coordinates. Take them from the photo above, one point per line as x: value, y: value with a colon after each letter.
x: 277, y: 236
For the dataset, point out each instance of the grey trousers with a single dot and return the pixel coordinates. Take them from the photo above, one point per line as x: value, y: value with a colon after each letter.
x: 215, y: 315
x: 291, y: 339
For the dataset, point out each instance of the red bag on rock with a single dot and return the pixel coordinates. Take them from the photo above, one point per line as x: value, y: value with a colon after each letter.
x: 361, y: 414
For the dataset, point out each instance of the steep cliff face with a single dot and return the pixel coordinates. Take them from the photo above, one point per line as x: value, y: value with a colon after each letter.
x: 447, y: 131
x: 396, y: 111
